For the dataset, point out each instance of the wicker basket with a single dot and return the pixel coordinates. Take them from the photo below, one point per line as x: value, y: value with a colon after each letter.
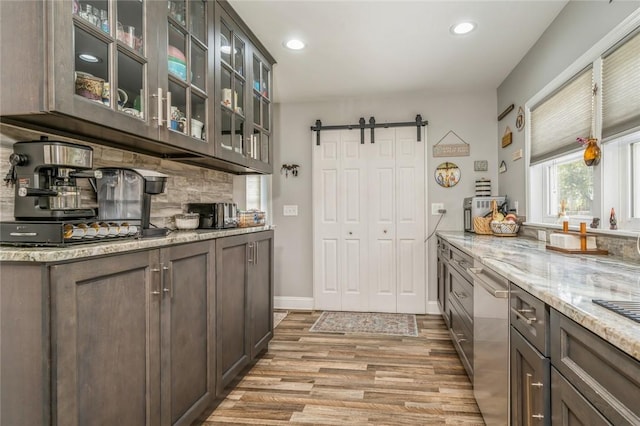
x: 504, y: 228
x: 481, y: 225
x: 251, y: 218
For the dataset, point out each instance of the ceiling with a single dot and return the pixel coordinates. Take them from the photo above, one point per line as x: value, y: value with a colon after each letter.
x: 362, y: 48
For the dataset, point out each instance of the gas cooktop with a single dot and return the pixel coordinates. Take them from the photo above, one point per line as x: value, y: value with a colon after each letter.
x: 626, y: 308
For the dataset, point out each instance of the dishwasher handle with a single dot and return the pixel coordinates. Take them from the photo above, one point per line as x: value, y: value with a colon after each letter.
x: 491, y: 286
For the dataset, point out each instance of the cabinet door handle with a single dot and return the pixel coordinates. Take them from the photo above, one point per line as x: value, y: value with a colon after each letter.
x: 527, y: 393
x: 158, y: 115
x: 156, y: 292
x: 529, y: 385
x: 251, y: 253
x: 255, y: 248
x: 519, y: 314
x: 168, y: 120
x: 169, y: 288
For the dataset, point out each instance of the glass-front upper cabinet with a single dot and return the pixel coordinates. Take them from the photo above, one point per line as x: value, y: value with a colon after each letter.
x: 189, y: 84
x: 232, y: 138
x: 101, y: 71
x: 260, y: 143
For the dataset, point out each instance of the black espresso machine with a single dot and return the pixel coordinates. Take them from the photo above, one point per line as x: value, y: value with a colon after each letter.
x: 47, y: 203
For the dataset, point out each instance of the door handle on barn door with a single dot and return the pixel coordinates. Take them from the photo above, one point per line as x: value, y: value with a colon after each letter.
x: 385, y: 231
x: 350, y: 233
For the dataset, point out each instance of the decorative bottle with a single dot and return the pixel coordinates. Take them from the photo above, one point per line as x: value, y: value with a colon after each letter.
x: 613, y: 222
x: 592, y: 152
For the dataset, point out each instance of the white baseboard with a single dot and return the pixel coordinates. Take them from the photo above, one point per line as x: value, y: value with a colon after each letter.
x: 432, y: 307
x: 284, y: 302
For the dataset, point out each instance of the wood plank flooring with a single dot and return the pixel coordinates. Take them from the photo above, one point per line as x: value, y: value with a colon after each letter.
x: 335, y: 379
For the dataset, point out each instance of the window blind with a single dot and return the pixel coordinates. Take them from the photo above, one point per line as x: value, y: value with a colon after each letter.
x: 561, y: 118
x: 621, y: 87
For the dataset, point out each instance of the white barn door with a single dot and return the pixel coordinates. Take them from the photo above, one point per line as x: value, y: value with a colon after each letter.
x: 369, y: 201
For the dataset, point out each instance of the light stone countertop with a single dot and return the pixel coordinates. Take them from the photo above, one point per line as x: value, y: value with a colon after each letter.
x: 566, y: 282
x: 106, y: 247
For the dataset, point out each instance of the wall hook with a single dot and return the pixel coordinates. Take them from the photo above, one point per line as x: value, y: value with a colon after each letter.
x: 286, y: 168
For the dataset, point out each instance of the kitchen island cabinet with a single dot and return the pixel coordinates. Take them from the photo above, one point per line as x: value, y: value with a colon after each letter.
x: 244, y: 301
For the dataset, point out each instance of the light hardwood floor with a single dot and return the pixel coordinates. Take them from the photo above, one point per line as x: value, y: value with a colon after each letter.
x: 335, y: 379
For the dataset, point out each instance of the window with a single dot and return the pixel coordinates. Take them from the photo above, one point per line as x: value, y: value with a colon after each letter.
x: 254, y: 192
x: 560, y: 185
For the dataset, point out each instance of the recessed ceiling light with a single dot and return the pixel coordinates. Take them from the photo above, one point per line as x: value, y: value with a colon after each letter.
x: 88, y: 57
x: 294, y: 44
x: 463, y: 28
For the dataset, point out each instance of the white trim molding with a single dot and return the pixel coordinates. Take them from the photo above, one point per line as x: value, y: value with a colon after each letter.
x: 301, y: 303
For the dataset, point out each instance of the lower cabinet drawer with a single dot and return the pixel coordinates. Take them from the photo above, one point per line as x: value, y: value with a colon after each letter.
x: 530, y: 316
x: 607, y: 377
x: 568, y: 407
x: 461, y: 290
x: 462, y: 336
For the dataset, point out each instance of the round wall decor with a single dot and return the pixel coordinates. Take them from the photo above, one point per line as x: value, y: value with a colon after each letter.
x: 447, y: 174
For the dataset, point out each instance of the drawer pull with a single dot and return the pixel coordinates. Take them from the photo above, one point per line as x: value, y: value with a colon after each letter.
x: 460, y: 295
x: 519, y: 314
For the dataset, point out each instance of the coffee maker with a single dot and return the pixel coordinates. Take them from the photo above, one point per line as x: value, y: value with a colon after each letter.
x: 44, y: 173
x: 124, y: 195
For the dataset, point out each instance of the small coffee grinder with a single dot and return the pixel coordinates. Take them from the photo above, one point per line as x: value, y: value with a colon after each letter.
x: 124, y: 195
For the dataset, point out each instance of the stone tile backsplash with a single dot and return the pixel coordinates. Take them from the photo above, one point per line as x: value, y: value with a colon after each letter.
x: 185, y: 184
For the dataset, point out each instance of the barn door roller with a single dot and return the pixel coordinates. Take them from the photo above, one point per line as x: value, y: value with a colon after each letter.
x: 362, y: 125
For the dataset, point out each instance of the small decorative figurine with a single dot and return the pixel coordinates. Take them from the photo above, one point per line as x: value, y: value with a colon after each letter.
x: 595, y: 224
x: 613, y: 222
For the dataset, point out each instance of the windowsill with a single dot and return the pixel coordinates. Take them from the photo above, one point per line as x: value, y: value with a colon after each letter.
x: 615, y: 233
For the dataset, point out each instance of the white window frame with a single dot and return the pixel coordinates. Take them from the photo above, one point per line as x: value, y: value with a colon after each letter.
x: 537, y: 203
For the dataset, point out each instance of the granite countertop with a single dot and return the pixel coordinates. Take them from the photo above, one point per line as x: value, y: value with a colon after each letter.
x: 565, y: 282
x: 106, y: 247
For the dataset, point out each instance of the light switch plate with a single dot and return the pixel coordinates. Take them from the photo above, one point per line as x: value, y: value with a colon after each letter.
x: 542, y: 236
x: 290, y: 210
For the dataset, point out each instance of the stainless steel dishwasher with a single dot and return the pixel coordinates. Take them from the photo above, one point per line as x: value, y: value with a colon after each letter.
x: 491, y: 344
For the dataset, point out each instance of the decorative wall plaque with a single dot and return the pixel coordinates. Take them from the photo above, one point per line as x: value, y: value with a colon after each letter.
x: 449, y: 146
x: 520, y: 119
x: 447, y: 174
x: 506, y: 139
x: 480, y: 166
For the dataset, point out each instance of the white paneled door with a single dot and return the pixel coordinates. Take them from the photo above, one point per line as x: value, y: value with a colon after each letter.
x: 369, y: 201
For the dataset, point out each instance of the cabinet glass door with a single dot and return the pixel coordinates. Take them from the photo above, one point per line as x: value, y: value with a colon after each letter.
x: 232, y: 91
x: 259, y: 149
x: 187, y: 73
x: 109, y: 83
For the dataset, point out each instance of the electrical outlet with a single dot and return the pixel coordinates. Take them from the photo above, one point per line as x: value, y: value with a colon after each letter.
x: 291, y: 210
x: 515, y: 206
x: 542, y: 235
x: 435, y: 207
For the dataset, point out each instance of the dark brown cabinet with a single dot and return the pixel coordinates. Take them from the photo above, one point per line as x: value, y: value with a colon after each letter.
x: 569, y: 407
x: 106, y: 360
x: 123, y: 339
x: 244, y: 301
x: 134, y: 337
x: 243, y: 87
x: 139, y: 75
x: 442, y: 273
x: 459, y: 304
x: 605, y: 378
x: 530, y: 380
x: 261, y: 292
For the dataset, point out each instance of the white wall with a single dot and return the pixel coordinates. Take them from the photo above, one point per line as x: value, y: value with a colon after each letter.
x: 472, y: 116
x: 574, y: 31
